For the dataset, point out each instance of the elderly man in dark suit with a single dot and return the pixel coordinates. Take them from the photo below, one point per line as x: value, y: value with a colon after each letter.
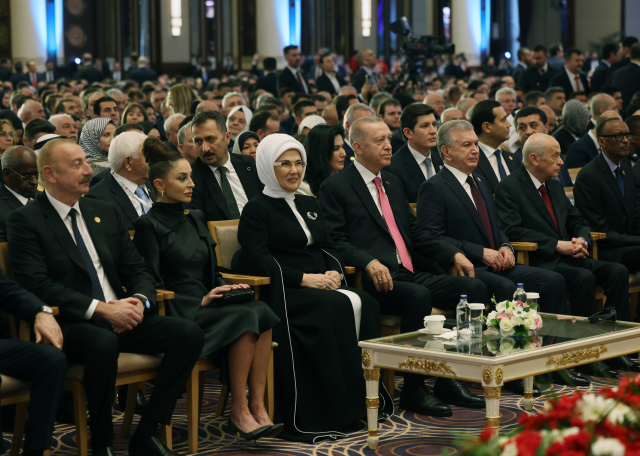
x: 627, y: 78
x: 20, y: 175
x: 537, y: 76
x: 75, y: 253
x: 127, y: 185
x: 571, y: 78
x: 224, y: 182
x: 291, y: 76
x: 417, y: 160
x: 371, y: 224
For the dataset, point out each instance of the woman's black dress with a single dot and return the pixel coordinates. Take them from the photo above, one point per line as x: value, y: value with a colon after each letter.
x: 180, y: 251
x: 319, y: 383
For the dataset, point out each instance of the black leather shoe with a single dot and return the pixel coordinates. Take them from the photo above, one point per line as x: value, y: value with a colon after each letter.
x: 453, y: 392
x: 568, y: 378
x: 597, y: 369
x: 107, y: 451
x: 517, y: 387
x: 149, y: 446
x: 274, y: 430
x: 141, y: 402
x: 623, y: 363
x: 423, y: 402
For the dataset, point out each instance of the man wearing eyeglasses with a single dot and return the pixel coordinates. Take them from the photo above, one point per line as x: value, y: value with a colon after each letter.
x: 20, y: 175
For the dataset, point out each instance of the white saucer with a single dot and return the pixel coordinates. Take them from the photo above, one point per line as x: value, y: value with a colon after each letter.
x: 427, y: 331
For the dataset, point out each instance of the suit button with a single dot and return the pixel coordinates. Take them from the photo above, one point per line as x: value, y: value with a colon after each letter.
x: 393, y: 252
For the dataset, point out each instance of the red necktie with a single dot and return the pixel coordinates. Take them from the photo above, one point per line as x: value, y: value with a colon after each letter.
x: 482, y: 210
x: 33, y: 79
x: 547, y: 202
x: 577, y: 83
x: 387, y: 213
x: 302, y: 86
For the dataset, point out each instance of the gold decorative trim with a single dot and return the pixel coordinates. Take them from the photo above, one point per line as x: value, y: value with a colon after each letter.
x: 528, y: 395
x: 427, y: 366
x: 372, y: 374
x: 493, y: 423
x: 487, y: 375
x: 366, y: 358
x: 577, y: 356
x: 373, y: 403
x: 373, y: 433
x: 499, y: 376
x: 492, y: 392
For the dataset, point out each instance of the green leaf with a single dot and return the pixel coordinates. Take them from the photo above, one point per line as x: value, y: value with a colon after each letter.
x: 495, y: 322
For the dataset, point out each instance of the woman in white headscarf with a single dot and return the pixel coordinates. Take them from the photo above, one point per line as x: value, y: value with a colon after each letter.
x: 238, y: 122
x: 283, y: 236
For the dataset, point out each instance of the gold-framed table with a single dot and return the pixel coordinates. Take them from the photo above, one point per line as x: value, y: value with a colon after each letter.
x: 562, y: 342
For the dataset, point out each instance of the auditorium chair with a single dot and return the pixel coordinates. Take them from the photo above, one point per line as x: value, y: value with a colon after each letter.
x: 573, y: 173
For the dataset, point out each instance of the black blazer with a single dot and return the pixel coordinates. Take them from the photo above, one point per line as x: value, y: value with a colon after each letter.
x: 91, y: 74
x: 444, y: 209
x: 46, y: 261
x: 351, y: 156
x: 561, y: 79
x: 16, y: 300
x: 109, y: 190
x: 397, y: 141
x: 627, y: 79
x: 5, y: 74
x: 615, y: 67
x: 268, y: 82
x: 599, y: 76
x: 360, y: 233
x: 97, y: 178
x: 404, y: 166
x: 600, y: 201
x: 358, y: 80
x: 286, y: 78
x: 207, y: 194
x: 531, y: 79
x: 581, y: 152
x: 143, y: 74
x: 484, y: 167
x: 323, y: 84
x: 564, y: 138
x: 525, y: 218
x: 8, y: 204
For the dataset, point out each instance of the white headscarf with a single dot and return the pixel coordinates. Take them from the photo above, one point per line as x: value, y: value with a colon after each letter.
x: 269, y: 151
x: 310, y: 122
x: 248, y: 115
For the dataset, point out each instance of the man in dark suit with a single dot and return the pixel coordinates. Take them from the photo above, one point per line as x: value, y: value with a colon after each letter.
x: 75, y: 253
x: 624, y: 49
x: 416, y: 161
x: 330, y: 80
x: 571, y: 78
x: 609, y: 56
x: 269, y: 81
x: 5, y: 69
x: 627, y: 79
x: 51, y: 73
x: 537, y: 76
x: 291, y: 76
x: 143, y: 73
x: 89, y: 72
x: 490, y: 124
x: 524, y: 60
x: 224, y: 182
x: 204, y: 72
x: 127, y: 186
x: 20, y: 175
x: 371, y: 224
x: 365, y: 75
x: 32, y: 76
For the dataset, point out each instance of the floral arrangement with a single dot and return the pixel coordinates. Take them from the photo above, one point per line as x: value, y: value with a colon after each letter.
x: 513, y: 318
x: 509, y: 345
x: 579, y: 424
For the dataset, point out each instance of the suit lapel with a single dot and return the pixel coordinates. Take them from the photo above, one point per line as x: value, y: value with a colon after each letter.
x: 243, y: 170
x: 490, y: 203
x: 536, y: 198
x: 213, y: 188
x: 150, y: 191
x: 9, y: 198
x: 412, y: 167
x: 612, y: 182
x: 310, y: 216
x: 512, y: 164
x: 438, y: 164
x: 95, y: 227
x: 122, y: 199
x: 363, y: 193
x: 629, y: 193
x: 487, y: 170
x: 459, y: 191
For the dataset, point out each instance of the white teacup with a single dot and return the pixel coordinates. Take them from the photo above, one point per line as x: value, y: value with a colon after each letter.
x: 434, y: 323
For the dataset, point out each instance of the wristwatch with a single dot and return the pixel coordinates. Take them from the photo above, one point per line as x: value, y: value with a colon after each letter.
x: 46, y: 309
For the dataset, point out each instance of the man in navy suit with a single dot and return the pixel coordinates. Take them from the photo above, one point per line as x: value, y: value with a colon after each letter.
x: 571, y: 78
x: 609, y: 57
x: 627, y: 78
x: 416, y: 161
x: 32, y: 76
x: 291, y: 76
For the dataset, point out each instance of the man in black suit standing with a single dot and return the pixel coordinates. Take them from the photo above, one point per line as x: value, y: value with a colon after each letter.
x: 75, y: 253
x: 371, y: 224
x: 417, y: 160
x: 537, y: 76
x: 127, y: 185
x: 20, y: 175
x: 627, y: 79
x: 571, y: 78
x: 491, y: 125
x: 330, y: 80
x: 291, y: 76
x: 269, y: 81
x: 624, y: 49
x: 524, y: 60
x: 608, y: 57
x: 5, y: 69
x: 88, y: 71
x: 143, y: 73
x: 224, y: 182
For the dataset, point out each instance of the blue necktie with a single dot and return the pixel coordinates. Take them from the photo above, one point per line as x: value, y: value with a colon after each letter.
x: 501, y: 169
x: 96, y: 288
x: 619, y: 179
x: 143, y: 196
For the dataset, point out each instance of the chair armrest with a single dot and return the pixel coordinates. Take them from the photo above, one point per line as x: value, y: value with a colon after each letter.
x: 525, y: 246
x: 600, y: 235
x: 349, y: 270
x: 595, y: 236
x: 166, y: 294
x: 254, y: 281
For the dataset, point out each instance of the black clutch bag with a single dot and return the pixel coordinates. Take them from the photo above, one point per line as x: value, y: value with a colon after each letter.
x: 234, y: 297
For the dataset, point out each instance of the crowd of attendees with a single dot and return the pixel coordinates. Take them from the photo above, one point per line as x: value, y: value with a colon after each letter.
x: 320, y: 162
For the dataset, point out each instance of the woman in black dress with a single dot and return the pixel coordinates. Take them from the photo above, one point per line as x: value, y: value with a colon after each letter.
x: 179, y: 250
x: 320, y: 388
x: 325, y: 151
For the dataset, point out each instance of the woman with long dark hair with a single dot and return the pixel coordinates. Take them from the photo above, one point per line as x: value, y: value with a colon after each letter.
x: 325, y: 152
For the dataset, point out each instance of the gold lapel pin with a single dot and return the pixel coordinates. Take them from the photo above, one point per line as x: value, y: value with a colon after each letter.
x: 479, y: 180
x: 623, y: 173
x: 353, y: 158
x: 440, y: 167
x: 186, y: 211
x: 510, y: 158
x: 97, y: 219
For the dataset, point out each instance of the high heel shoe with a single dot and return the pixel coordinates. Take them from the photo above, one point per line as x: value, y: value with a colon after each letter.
x: 253, y: 435
x: 274, y: 430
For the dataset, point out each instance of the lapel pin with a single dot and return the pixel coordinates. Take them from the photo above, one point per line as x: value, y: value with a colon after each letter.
x: 623, y: 173
x: 97, y: 219
x: 312, y: 215
x: 479, y: 180
x: 387, y: 182
x: 249, y: 168
x: 440, y: 167
x: 186, y: 212
x: 353, y: 158
x: 510, y: 158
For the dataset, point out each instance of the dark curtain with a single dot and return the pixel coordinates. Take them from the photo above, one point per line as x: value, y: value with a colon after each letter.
x: 525, y: 8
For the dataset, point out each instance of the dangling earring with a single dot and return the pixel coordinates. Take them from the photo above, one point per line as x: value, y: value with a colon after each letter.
x: 162, y: 195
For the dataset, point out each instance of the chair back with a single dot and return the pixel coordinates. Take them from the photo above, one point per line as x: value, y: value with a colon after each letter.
x: 414, y: 209
x: 573, y: 173
x: 4, y: 259
x: 132, y: 233
x: 225, y: 233
x: 568, y: 191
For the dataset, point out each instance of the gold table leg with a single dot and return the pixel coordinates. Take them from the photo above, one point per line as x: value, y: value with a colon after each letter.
x: 372, y: 376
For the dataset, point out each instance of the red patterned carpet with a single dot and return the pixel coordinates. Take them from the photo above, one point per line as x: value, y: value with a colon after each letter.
x: 405, y: 434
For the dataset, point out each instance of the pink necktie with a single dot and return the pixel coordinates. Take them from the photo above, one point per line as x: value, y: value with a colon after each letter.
x: 577, y: 83
x: 33, y: 79
x: 387, y: 213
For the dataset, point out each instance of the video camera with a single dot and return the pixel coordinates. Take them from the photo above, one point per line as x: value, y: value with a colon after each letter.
x: 419, y: 48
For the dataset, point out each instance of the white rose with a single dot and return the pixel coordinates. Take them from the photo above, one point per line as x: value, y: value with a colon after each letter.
x: 530, y: 323
x: 506, y: 325
x: 501, y: 306
x: 517, y: 321
x: 529, y: 346
x: 510, y: 450
x: 506, y: 345
x: 602, y: 446
x: 492, y: 316
x: 533, y: 314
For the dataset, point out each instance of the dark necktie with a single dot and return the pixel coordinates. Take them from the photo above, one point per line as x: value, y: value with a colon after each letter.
x: 547, y: 201
x: 619, y: 179
x: 232, y: 205
x: 501, y: 170
x: 302, y: 86
x: 96, y: 288
x: 482, y: 210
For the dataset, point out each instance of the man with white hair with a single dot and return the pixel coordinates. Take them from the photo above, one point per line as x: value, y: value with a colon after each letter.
x: 185, y: 143
x: 465, y: 105
x: 65, y: 126
x: 127, y: 185
x: 30, y: 110
x: 171, y: 127
x: 230, y: 101
x: 507, y: 99
x: 355, y: 112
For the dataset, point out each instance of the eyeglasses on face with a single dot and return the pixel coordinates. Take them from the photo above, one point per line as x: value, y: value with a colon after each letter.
x: 26, y: 177
x: 287, y: 165
x: 620, y: 136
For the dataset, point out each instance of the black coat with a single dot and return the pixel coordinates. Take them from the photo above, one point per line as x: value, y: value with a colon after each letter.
x: 97, y: 178
x: 564, y: 138
x: 397, y: 141
x: 287, y: 79
x: 404, y: 166
x: 46, y: 261
x: 323, y: 84
x: 531, y: 79
x: 485, y: 169
x: 207, y: 194
x: 601, y: 203
x: 351, y: 156
x: 8, y: 204
x: 358, y: 80
x: 627, y: 79
x: 525, y: 218
x: 599, y: 76
x: 615, y: 67
x: 5, y: 74
x: 109, y: 190
x: 268, y: 82
x: 561, y: 79
x: 143, y: 74
x: 91, y: 74
x: 581, y: 152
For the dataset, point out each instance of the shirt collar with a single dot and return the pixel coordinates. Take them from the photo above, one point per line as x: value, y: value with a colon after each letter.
x: 612, y: 165
x: 18, y: 196
x: 127, y: 183
x: 545, y: 67
x: 367, y: 175
x: 227, y: 165
x: 535, y: 181
x: 417, y: 155
x: 605, y: 62
x: 459, y: 175
x: 368, y: 70
x: 594, y: 139
x: 570, y: 74
x: 488, y: 151
x: 293, y: 70
x: 61, y: 208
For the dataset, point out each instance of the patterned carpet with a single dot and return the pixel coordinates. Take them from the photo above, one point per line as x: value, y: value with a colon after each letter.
x: 405, y: 434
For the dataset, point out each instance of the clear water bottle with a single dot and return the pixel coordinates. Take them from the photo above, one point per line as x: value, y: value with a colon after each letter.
x: 463, y: 317
x: 520, y: 294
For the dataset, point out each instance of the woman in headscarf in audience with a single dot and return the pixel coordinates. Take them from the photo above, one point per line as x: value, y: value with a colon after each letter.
x: 238, y: 122
x: 575, y: 122
x: 309, y: 122
x: 134, y: 113
x: 246, y: 144
x: 7, y: 135
x: 179, y: 250
x: 283, y: 236
x: 325, y: 152
x: 149, y: 128
x: 95, y: 141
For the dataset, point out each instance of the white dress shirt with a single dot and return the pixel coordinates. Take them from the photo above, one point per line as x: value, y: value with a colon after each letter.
x: 544, y: 69
x: 19, y: 197
x: 295, y: 72
x: 462, y: 178
x: 595, y: 140
x: 63, y: 210
x: 612, y: 165
x: 334, y: 81
x: 576, y: 87
x: 421, y: 161
x: 130, y: 190
x: 234, y: 182
x: 493, y: 159
x: 535, y: 181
